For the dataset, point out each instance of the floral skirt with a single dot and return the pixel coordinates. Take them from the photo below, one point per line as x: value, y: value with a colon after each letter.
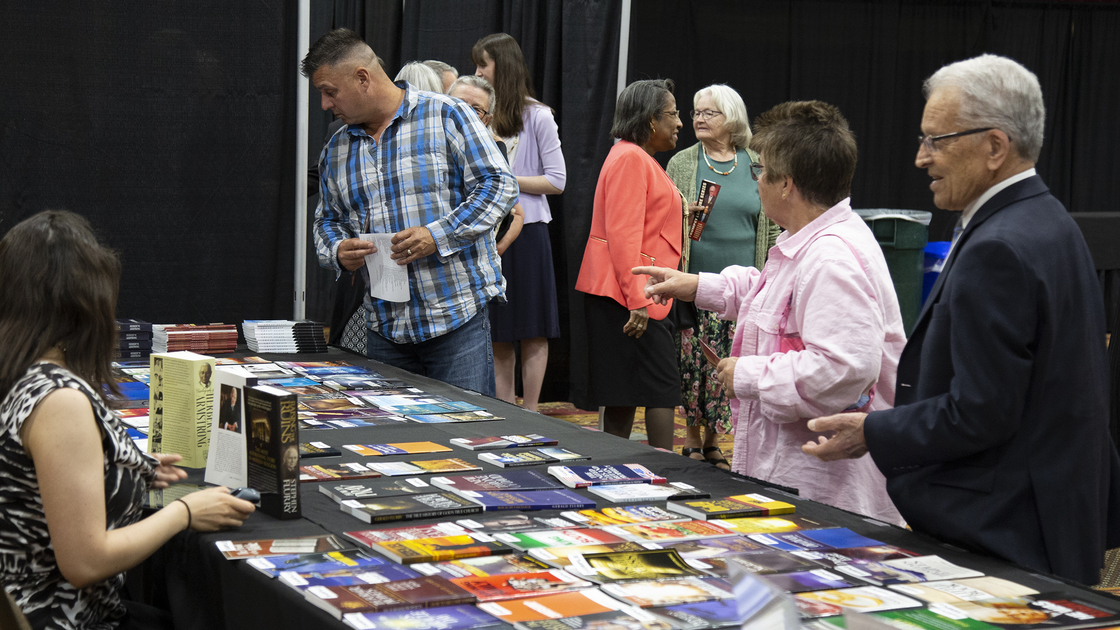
x: 701, y: 396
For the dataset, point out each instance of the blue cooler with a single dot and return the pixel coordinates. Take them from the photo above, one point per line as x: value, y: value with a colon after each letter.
x: 936, y: 253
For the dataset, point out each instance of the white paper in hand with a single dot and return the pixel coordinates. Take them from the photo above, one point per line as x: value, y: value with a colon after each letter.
x: 387, y: 280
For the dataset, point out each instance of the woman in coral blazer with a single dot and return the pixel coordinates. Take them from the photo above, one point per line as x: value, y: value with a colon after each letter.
x: 637, y: 221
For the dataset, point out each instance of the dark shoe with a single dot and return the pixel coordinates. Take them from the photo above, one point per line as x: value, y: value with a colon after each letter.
x: 688, y: 452
x: 719, y: 462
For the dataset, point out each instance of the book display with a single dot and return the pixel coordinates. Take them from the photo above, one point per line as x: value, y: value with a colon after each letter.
x: 181, y: 406
x: 517, y: 530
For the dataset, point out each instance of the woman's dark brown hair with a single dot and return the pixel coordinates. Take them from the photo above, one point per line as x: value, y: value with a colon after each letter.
x: 59, y: 288
x: 512, y: 84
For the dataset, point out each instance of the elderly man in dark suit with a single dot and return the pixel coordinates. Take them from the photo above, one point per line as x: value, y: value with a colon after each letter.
x: 998, y: 442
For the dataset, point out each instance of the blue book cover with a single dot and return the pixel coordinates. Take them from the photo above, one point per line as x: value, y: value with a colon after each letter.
x: 529, y: 500
x: 294, y: 381
x: 389, y: 572
x: 338, y: 369
x: 317, y: 562
x: 716, y: 613
x: 461, y: 617
x: 815, y: 539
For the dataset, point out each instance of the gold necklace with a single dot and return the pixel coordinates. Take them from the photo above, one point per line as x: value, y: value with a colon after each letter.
x: 702, y: 150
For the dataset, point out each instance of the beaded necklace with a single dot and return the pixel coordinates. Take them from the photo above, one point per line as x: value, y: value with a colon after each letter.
x: 702, y: 150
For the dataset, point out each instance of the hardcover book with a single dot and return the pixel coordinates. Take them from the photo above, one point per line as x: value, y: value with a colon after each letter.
x: 555, y: 606
x: 423, y: 467
x: 621, y: 566
x: 440, y: 549
x: 348, y: 471
x: 272, y: 566
x: 512, y: 480
x: 584, y: 476
x: 406, y: 507
x: 559, y: 538
x: 503, y: 441
x: 461, y: 617
x: 370, y: 537
x: 738, y: 506
x: 520, y: 585
x: 398, y: 448
x: 360, y: 490
x: 649, y: 593
x: 669, y: 532
x: 240, y: 549
x: 622, y: 515
x: 528, y: 500
x: 180, y: 406
x: 273, y: 450
x: 420, y: 592
x: 482, y: 566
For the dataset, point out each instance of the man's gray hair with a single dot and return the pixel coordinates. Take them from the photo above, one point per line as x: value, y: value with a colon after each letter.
x: 420, y: 76
x: 441, y: 67
x: 997, y: 92
x: 478, y: 82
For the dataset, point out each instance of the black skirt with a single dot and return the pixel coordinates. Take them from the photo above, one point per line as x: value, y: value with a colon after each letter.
x: 624, y: 371
x: 530, y: 309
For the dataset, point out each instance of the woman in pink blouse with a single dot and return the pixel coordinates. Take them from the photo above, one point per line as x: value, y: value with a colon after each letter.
x: 819, y: 329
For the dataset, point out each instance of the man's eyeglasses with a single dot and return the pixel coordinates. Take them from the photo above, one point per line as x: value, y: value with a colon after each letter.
x: 927, y: 141
x: 705, y: 114
x: 478, y: 110
x: 756, y: 170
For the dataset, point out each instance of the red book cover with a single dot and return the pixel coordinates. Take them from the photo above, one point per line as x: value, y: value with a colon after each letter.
x: 421, y: 592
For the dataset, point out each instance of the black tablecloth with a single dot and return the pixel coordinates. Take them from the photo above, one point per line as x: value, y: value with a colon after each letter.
x: 207, y: 592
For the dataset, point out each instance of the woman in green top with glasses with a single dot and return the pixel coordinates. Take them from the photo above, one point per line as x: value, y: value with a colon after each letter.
x: 736, y: 233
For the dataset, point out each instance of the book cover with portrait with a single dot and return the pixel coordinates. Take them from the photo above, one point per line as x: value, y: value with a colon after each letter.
x: 273, y: 445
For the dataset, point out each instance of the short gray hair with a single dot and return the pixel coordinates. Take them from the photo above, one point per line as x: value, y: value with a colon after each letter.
x: 440, y: 67
x: 734, y: 111
x: 997, y: 92
x: 421, y: 76
x: 478, y: 82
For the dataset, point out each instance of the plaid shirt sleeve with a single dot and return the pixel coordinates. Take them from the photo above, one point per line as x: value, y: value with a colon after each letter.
x: 492, y: 188
x: 332, y: 223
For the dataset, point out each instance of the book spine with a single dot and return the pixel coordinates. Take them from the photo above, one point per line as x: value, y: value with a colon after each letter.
x: 155, y: 405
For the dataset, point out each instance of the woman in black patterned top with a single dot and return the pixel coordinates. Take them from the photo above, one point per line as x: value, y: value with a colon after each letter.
x: 71, y: 480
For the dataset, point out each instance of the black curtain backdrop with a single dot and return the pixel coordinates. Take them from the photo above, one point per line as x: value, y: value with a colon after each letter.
x: 171, y: 127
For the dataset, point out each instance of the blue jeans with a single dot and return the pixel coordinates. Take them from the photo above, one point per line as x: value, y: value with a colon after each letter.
x: 462, y: 357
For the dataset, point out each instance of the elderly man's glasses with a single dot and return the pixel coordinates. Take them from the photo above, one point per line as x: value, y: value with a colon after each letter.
x: 705, y: 114
x: 478, y: 110
x: 756, y: 170
x: 927, y: 141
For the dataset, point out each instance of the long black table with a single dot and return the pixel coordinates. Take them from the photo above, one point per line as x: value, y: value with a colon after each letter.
x: 205, y: 591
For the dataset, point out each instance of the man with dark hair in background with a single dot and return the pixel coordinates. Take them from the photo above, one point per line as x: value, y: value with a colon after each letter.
x: 999, y: 441
x: 422, y: 167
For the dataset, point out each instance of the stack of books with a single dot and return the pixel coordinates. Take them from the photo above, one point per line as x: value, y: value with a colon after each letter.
x: 208, y: 339
x: 281, y: 335
x: 135, y: 339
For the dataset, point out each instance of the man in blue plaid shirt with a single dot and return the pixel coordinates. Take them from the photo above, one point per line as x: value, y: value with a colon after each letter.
x: 422, y: 167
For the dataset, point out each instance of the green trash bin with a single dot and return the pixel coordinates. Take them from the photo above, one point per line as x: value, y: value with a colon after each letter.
x: 902, y: 234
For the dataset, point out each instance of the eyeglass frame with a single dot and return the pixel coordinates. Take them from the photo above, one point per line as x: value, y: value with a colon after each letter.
x: 927, y: 140
x: 705, y: 114
x: 756, y: 170
x: 481, y: 114
x: 676, y: 113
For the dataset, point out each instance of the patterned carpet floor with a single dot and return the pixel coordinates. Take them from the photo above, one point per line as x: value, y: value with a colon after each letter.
x: 1110, y: 576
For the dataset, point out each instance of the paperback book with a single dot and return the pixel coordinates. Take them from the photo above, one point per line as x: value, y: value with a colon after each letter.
x: 361, y: 490
x: 563, y: 557
x: 409, y: 507
x: 180, y: 406
x: 622, y: 566
x: 837, y: 557
x: 649, y: 593
x: 815, y: 539
x: 670, y: 532
x: 423, y: 467
x: 420, y: 592
x: 706, y: 548
x: 760, y: 562
x: 957, y: 591
x: 556, y: 606
x: 528, y: 500
x: 520, y: 585
x: 241, y: 549
x: 397, y: 448
x: 512, y: 480
x: 461, y: 617
x: 347, y: 471
x: 716, y: 613
x: 273, y: 444
x: 546, y: 455
x: 630, y: 493
x: 273, y: 566
x: 623, y: 515
x: 389, y: 572
x: 905, y: 570
x: 503, y: 441
x: 482, y: 566
x: 559, y: 538
x: 811, y: 580
x: 440, y: 549
x: 584, y: 476
x: 314, y: 450
x: 773, y: 524
x: 627, y: 619
x: 370, y: 537
x: 859, y: 599
x: 738, y: 506
x: 506, y: 522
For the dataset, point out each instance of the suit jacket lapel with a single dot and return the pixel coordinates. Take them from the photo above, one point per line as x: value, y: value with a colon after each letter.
x: 1018, y: 191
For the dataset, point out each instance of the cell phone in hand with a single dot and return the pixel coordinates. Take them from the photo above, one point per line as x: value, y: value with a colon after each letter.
x: 709, y: 353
